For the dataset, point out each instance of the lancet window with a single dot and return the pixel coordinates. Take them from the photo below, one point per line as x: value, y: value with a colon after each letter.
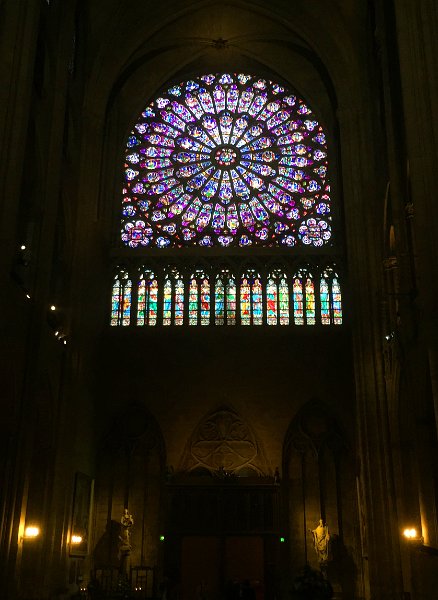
x: 210, y: 296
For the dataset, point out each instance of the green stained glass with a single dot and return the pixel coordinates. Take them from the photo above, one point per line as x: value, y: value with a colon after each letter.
x: 336, y: 302
x: 257, y: 303
x: 219, y: 306
x: 245, y: 302
x: 284, y: 302
x: 325, y: 301
x: 193, y: 302
x: 310, y: 302
x: 205, y: 302
x: 298, y: 301
x: 141, y: 302
x: 167, y: 303
x: 179, y: 302
x: 231, y: 301
x: 116, y: 299
x: 153, y: 302
x: 121, y: 300
x: 147, y: 300
x: 271, y: 302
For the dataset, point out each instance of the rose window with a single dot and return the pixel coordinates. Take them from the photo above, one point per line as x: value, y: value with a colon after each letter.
x: 226, y: 160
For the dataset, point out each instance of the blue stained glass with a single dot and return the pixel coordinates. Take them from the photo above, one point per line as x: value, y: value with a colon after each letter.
x: 258, y: 104
x: 180, y: 205
x: 258, y: 210
x: 166, y: 129
x: 246, y: 217
x: 232, y: 219
x: 219, y: 98
x: 204, y: 217
x: 132, y: 141
x: 226, y: 79
x: 272, y: 205
x: 182, y: 111
x: 206, y: 102
x: 245, y: 101
x: 194, y: 105
x: 219, y: 308
x: 232, y: 98
x: 219, y: 218
x: 148, y: 112
x: 192, y: 212
x: 277, y: 118
x: 221, y: 141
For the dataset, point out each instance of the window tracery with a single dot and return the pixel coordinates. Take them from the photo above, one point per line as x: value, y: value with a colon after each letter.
x: 226, y: 160
x: 227, y: 296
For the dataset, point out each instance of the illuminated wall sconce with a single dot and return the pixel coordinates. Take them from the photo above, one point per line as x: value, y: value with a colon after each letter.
x: 31, y: 532
x: 76, y: 539
x: 411, y: 535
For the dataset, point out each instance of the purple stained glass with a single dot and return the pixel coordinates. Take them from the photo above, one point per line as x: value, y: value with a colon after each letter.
x: 226, y: 160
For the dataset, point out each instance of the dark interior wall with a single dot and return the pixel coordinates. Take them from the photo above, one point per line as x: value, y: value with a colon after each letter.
x: 266, y: 376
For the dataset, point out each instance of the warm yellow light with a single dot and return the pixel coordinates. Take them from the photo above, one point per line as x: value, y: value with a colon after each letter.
x: 22, y: 247
x: 410, y: 533
x: 53, y: 307
x: 76, y: 539
x: 31, y: 531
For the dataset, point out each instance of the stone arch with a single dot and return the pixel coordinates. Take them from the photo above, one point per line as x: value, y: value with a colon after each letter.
x: 130, y: 473
x: 319, y: 481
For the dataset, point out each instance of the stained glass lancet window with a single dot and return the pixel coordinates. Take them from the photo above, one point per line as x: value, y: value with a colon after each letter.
x: 277, y: 298
x: 224, y: 296
x: 121, y: 299
x: 226, y: 160
x: 251, y: 298
x: 173, y: 298
x: 330, y: 298
x: 304, y: 304
x: 147, y: 299
x: 199, y: 298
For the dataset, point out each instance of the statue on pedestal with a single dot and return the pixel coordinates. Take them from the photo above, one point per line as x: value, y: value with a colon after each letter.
x: 321, y: 538
x: 126, y: 523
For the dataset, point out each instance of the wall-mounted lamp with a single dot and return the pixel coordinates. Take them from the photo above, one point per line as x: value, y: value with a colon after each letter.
x: 31, y: 532
x: 411, y: 535
x: 76, y: 539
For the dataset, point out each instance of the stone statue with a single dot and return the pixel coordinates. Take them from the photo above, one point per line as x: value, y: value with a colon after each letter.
x: 321, y: 538
x: 126, y: 523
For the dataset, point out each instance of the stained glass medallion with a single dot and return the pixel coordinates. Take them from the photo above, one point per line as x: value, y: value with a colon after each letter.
x: 226, y: 160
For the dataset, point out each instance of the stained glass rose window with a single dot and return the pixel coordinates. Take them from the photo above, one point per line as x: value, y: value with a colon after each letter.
x: 226, y: 160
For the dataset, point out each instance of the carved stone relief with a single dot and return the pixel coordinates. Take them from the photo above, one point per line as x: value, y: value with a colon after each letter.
x: 223, y: 443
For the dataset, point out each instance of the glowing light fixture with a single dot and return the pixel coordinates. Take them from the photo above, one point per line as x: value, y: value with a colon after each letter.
x: 31, y: 532
x: 53, y: 307
x: 76, y: 539
x: 22, y: 247
x: 161, y: 538
x: 411, y: 534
